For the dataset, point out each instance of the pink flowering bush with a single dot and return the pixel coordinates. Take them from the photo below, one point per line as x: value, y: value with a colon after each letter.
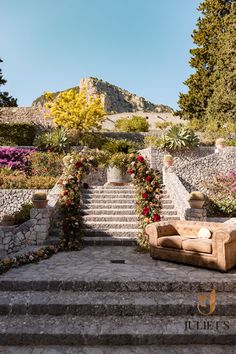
x: 15, y: 158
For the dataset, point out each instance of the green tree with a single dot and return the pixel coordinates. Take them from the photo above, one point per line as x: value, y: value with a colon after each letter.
x: 204, y: 56
x: 222, y: 104
x: 5, y: 99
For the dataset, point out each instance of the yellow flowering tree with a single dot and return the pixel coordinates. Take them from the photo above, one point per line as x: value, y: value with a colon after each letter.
x: 72, y: 110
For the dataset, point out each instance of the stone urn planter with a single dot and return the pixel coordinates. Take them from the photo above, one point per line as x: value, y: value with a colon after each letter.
x: 168, y: 161
x: 7, y: 220
x: 220, y: 144
x: 196, y: 200
x: 116, y: 176
x: 40, y: 200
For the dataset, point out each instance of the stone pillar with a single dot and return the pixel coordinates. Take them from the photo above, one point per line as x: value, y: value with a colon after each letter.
x: 42, y: 225
x: 195, y: 214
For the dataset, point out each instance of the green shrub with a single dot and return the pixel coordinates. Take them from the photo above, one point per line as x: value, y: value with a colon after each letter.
x: 231, y: 143
x: 56, y: 140
x: 152, y: 141
x: 196, y: 196
x: 92, y: 140
x: 46, y: 164
x: 213, y: 128
x: 196, y: 124
x: 24, y: 214
x: 119, y: 160
x: 40, y: 196
x: 225, y: 207
x: 180, y: 137
x: 163, y: 125
x: 115, y: 146
x: 21, y: 134
x: 134, y: 124
x: 21, y: 182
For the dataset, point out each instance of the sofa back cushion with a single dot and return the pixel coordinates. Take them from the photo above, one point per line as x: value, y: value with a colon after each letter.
x: 191, y: 228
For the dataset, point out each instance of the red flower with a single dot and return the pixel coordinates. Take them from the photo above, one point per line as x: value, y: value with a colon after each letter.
x: 140, y: 158
x: 145, y: 211
x: 156, y: 217
x: 148, y: 179
x: 85, y: 185
x: 68, y: 203
x: 65, y: 192
x: 78, y: 164
x: 145, y: 195
x: 129, y: 171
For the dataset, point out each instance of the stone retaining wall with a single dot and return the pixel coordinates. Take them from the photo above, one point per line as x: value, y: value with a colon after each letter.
x: 24, y: 115
x: 34, y: 231
x: 195, y: 173
x: 11, y: 200
x: 179, y: 196
x: 181, y: 158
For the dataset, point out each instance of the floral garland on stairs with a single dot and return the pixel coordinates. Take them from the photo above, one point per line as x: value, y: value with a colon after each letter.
x: 77, y: 166
x: 148, y: 194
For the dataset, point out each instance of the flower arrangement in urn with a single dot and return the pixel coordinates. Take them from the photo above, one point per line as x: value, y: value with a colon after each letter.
x: 40, y: 200
x: 196, y: 200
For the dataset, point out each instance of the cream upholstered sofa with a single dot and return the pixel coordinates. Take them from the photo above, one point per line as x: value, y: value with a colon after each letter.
x: 179, y: 241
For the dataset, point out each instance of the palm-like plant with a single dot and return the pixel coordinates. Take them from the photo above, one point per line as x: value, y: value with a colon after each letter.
x: 180, y: 137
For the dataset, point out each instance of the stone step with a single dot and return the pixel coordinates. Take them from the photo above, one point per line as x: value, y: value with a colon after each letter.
x: 102, y: 205
x: 166, y: 201
x: 54, y: 239
x: 93, y: 303
x: 108, y: 218
x: 109, y: 241
x: 131, y: 186
x: 99, y: 211
x: 104, y: 225
x: 166, y: 212
x: 89, y: 201
x: 169, y: 217
x: 120, y: 349
x: 167, y: 206
x: 115, y: 330
x: 108, y: 191
x: 133, y: 233
x: 120, y: 284
x: 108, y: 196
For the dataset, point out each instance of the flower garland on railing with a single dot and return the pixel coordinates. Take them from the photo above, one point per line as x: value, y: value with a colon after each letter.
x: 77, y: 166
x: 148, y: 191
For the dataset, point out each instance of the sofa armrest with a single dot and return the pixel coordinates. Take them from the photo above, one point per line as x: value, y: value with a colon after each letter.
x: 226, y: 234
x: 156, y: 230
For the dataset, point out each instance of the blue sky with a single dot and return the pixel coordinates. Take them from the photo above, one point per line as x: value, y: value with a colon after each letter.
x: 140, y: 45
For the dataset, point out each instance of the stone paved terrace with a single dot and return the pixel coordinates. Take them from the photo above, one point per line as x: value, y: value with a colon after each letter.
x: 93, y: 264
x: 80, y: 302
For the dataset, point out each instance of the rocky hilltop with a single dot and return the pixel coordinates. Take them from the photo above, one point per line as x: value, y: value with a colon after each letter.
x: 116, y: 100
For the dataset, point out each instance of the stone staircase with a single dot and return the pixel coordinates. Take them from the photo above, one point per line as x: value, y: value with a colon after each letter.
x: 168, y: 211
x: 109, y: 216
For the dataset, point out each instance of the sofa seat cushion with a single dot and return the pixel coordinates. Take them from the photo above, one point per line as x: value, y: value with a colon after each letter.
x: 197, y: 245
x: 174, y: 241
